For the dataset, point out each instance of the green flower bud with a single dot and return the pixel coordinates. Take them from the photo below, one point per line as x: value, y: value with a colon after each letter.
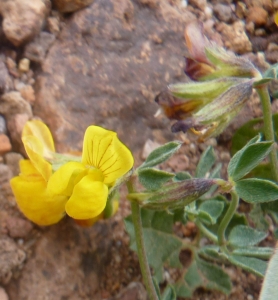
x: 174, y: 195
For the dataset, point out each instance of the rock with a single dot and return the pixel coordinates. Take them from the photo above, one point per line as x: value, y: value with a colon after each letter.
x: 12, y: 103
x: 3, y: 294
x: 5, y: 145
x: 12, y: 161
x: 22, y: 19
x: 66, y: 6
x: 27, y: 92
x: 134, y: 291
x: 5, y: 80
x: 271, y: 56
x: 223, y: 12
x: 12, y: 67
x: 259, y: 43
x: 15, y: 126
x: 201, y: 4
x: 18, y: 227
x: 149, y: 147
x: 10, y: 257
x: 103, y: 71
x: 240, y: 10
x: 257, y: 15
x: 36, y: 50
x: 235, y: 38
x: 24, y: 65
x: 272, y: 47
x: 53, y: 25
x: 3, y: 127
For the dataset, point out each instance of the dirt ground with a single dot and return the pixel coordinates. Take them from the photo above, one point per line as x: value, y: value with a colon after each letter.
x: 74, y: 63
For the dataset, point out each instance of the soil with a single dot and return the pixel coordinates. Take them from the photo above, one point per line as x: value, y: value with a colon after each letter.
x: 103, y: 62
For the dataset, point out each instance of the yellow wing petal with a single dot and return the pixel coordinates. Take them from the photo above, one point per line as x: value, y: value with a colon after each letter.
x: 88, y: 199
x: 34, y: 149
x: 62, y: 181
x: 35, y: 202
x: 38, y: 129
x: 102, y: 149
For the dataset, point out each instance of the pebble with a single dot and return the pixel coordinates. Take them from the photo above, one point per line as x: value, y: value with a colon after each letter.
x: 235, y: 38
x: 250, y: 27
x: 201, y: 4
x: 241, y: 10
x: 12, y: 159
x: 260, y: 32
x: 257, y: 15
x: 5, y: 145
x: 272, y: 47
x: 3, y: 294
x: 271, y: 56
x: 22, y: 19
x: 66, y: 6
x: 149, y: 147
x: 53, y: 25
x: 3, y: 126
x: 5, y: 80
x: 24, y: 65
x: 223, y: 12
x: 12, y: 103
x: 18, y: 227
x: 27, y: 92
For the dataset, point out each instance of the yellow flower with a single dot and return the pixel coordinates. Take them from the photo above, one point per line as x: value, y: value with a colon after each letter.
x: 33, y: 198
x: 81, y: 189
x: 104, y: 161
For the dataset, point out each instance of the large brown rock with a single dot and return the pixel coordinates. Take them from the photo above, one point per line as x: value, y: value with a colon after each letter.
x: 66, y: 6
x: 109, y: 62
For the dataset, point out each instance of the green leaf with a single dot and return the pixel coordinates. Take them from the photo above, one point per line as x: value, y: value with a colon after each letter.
x: 211, y: 253
x: 269, y: 290
x: 258, y: 252
x: 244, y: 236
x: 161, y: 154
x: 162, y: 246
x: 206, y: 161
x: 272, y: 72
x: 210, y: 210
x: 250, y: 264
x: 257, y: 190
x: 153, y: 179
x: 250, y: 157
x: 180, y: 176
x: 169, y: 293
x: 258, y: 218
x: 249, y: 130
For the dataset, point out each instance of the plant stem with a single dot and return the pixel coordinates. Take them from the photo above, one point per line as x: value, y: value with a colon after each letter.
x: 227, y: 218
x: 206, y: 232
x: 268, y: 127
x: 141, y: 251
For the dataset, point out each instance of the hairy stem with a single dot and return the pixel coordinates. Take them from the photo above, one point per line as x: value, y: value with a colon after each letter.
x: 141, y: 251
x: 206, y: 232
x: 227, y: 218
x: 268, y: 127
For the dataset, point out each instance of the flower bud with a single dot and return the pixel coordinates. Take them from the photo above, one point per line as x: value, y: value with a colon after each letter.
x: 174, y: 195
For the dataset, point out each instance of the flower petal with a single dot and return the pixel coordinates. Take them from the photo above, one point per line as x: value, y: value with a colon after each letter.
x: 34, y: 149
x: 88, y: 199
x: 35, y: 202
x: 38, y: 129
x: 62, y: 181
x: 103, y: 150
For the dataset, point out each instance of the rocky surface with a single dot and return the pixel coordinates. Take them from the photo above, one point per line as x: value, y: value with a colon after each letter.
x: 104, y: 63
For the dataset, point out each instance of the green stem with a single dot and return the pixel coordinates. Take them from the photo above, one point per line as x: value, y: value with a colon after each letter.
x: 141, y: 251
x: 206, y: 232
x: 268, y: 127
x: 227, y: 218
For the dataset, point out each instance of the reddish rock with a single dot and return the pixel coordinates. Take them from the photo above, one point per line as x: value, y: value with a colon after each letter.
x: 5, y: 145
x: 22, y: 19
x: 66, y: 6
x: 27, y: 92
x: 257, y: 15
x: 18, y: 227
x: 3, y: 294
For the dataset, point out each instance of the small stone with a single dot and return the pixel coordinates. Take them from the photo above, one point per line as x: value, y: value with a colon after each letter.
x: 22, y: 19
x: 250, y: 27
x: 260, y: 32
x: 235, y: 38
x: 271, y: 56
x: 66, y: 6
x: 36, y: 50
x: 11, y: 65
x: 201, y: 4
x: 3, y: 294
x: 3, y: 126
x: 257, y: 15
x: 223, y: 12
x: 240, y: 10
x: 5, y: 145
x: 272, y: 47
x: 18, y: 227
x: 12, y: 161
x: 12, y: 103
x: 5, y: 80
x: 134, y: 291
x: 53, y: 25
x: 259, y: 43
x: 24, y: 65
x: 28, y: 93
